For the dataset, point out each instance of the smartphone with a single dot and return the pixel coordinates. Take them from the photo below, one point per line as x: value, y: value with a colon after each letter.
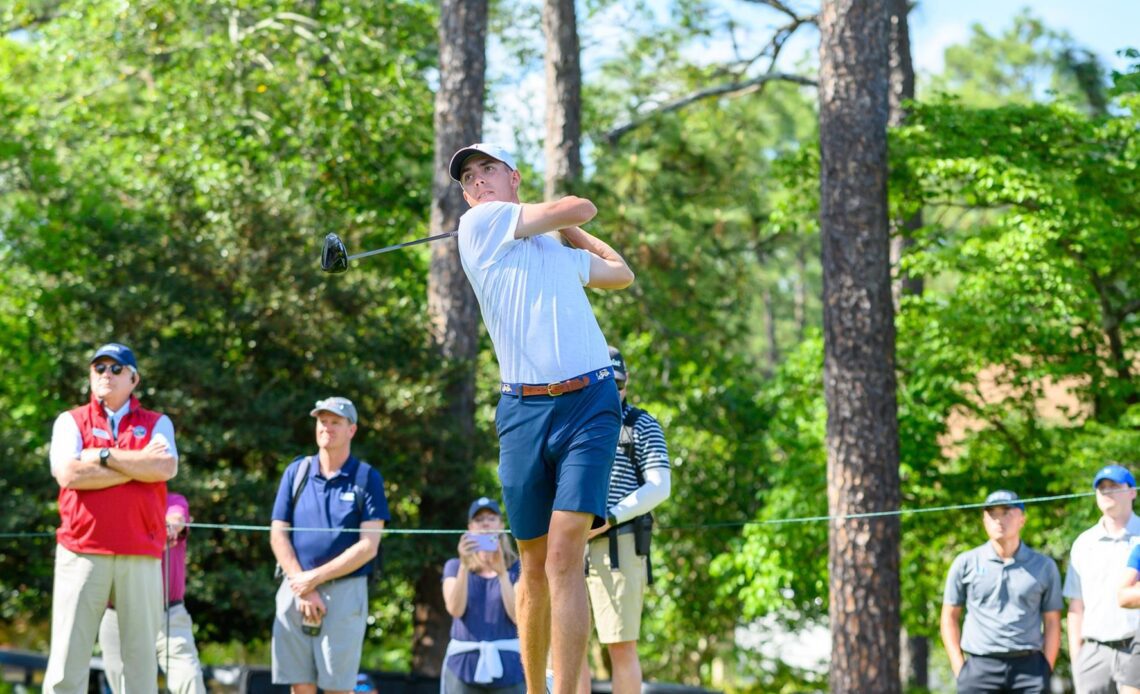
x: 310, y: 627
x: 485, y: 542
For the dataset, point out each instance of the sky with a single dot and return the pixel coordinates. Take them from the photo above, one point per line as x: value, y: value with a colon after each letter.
x: 1102, y: 26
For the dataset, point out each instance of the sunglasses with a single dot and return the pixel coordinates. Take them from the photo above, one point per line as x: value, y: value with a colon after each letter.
x: 115, y: 368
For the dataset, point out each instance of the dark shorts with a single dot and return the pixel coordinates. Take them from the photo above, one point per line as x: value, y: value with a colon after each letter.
x: 555, y: 454
x: 1027, y: 674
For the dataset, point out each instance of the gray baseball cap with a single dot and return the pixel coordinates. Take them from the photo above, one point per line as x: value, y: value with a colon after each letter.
x: 336, y: 405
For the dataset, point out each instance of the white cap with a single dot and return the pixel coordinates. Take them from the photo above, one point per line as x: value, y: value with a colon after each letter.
x: 491, y: 150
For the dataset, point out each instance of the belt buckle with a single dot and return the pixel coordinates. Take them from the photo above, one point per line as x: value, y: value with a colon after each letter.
x: 550, y: 389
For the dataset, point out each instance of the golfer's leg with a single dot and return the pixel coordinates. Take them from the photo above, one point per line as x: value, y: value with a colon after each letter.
x: 532, y: 607
x: 626, y: 667
x: 570, y: 611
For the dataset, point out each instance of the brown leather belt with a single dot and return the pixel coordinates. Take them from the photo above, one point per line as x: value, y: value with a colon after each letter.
x: 570, y: 385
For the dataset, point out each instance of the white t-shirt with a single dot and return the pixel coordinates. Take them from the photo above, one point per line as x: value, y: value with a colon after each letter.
x: 532, y: 294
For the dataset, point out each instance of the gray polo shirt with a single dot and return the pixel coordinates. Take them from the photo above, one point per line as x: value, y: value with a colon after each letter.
x: 1004, y: 600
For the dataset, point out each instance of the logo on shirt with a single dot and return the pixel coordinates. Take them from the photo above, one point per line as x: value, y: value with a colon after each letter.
x: 139, y: 431
x: 348, y: 496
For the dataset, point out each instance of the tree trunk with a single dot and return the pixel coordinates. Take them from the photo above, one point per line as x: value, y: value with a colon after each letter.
x: 859, y: 345
x: 454, y: 317
x: 915, y: 671
x: 902, y: 89
x: 563, y: 97
x: 916, y: 649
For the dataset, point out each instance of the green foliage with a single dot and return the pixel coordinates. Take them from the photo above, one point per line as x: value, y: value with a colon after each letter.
x: 1020, y: 66
x: 169, y: 171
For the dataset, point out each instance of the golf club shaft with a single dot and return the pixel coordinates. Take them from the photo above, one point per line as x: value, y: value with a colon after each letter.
x: 405, y: 244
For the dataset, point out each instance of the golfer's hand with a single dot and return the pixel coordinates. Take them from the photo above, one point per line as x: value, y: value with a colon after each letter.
x: 304, y: 583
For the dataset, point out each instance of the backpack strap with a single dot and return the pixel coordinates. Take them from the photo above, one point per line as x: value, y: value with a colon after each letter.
x: 625, y: 439
x: 300, y: 479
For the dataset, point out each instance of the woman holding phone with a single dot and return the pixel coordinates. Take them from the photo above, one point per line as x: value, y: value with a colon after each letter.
x: 479, y: 592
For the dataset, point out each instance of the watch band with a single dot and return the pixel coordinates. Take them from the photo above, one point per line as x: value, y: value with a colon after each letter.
x: 104, y: 456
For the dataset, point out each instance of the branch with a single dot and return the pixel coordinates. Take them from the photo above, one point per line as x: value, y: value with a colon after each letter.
x: 733, y: 88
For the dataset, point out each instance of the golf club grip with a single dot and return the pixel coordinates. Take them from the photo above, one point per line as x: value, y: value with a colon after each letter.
x: 405, y: 244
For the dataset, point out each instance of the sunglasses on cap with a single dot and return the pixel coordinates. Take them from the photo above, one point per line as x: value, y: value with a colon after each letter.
x: 115, y: 368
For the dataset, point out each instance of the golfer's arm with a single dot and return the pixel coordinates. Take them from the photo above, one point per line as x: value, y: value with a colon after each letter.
x: 608, y: 270
x: 539, y: 218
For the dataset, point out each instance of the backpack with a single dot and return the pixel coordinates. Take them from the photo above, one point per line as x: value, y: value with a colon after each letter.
x: 301, y: 478
x: 643, y: 524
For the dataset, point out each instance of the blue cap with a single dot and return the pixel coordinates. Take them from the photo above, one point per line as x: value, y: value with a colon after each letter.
x: 618, y: 362
x: 336, y: 405
x: 1004, y: 497
x: 364, y: 683
x: 1116, y: 473
x: 490, y: 149
x: 120, y: 353
x: 482, y: 503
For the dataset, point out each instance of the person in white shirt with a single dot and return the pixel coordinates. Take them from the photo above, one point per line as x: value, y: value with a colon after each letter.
x: 1100, y: 631
x: 559, y: 414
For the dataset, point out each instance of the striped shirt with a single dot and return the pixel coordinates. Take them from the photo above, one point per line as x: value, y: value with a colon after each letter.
x: 649, y: 451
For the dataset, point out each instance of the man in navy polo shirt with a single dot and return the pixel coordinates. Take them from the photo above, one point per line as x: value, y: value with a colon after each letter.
x: 559, y: 415
x: 1012, y: 596
x: 322, y: 604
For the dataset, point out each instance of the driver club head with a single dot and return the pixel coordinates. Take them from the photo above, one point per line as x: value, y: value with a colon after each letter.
x: 334, y: 256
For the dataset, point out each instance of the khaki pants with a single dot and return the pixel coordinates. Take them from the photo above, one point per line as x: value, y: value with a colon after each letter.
x: 175, y: 648
x: 82, y: 587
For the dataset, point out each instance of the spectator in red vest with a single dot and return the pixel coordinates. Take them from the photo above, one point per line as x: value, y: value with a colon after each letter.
x: 112, y: 459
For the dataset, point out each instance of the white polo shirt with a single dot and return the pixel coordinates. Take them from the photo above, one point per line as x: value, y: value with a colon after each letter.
x: 532, y: 295
x: 1096, y: 569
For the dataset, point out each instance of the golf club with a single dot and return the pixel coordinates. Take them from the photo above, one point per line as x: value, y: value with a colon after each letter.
x: 335, y: 257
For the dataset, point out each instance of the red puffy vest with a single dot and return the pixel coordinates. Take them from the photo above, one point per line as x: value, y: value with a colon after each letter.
x: 128, y: 518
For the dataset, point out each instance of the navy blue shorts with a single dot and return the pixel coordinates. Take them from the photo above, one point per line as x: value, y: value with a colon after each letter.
x: 555, y: 454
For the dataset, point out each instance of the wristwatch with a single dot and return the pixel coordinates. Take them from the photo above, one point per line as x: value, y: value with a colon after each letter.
x: 104, y: 456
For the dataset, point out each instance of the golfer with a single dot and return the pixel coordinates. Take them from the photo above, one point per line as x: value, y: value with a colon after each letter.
x: 559, y: 414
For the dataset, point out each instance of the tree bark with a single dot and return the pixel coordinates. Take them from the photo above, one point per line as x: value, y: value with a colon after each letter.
x: 563, y: 98
x: 859, y: 346
x: 902, y: 89
x: 915, y: 649
x: 454, y: 315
